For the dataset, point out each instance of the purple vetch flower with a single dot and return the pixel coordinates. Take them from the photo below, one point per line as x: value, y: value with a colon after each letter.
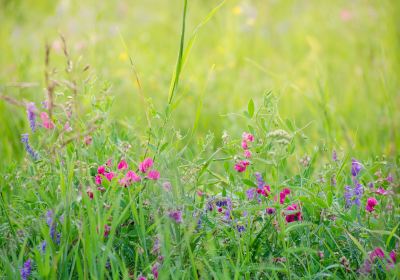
x: 26, y: 269
x: 30, y: 111
x: 176, y: 215
x: 156, y: 246
x: 355, y: 167
x: 389, y: 178
x: 334, y: 155
x: 250, y: 193
x: 348, y: 195
x: 240, y: 228
x: 49, y: 217
x: 154, y: 270
x: 352, y: 195
x: 43, y: 246
x: 28, y: 148
x: 260, y: 181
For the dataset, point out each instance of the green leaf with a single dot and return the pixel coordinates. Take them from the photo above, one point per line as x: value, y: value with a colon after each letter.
x: 249, y: 183
x: 250, y: 108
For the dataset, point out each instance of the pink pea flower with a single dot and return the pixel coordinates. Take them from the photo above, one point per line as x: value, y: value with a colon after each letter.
x: 67, y: 127
x: 101, y: 169
x: 381, y: 191
x: 109, y: 175
x: 90, y: 193
x: 292, y: 217
x: 264, y: 191
x: 393, y: 256
x: 122, y: 165
x: 247, y: 154
x: 47, y: 123
x: 132, y: 176
x: 244, y: 145
x: 154, y: 270
x: 153, y: 175
x: 146, y: 165
x: 283, y: 194
x: 248, y: 137
x: 241, y: 166
x: 107, y: 230
x: 141, y: 277
x: 371, y: 203
x: 109, y: 163
x: 98, y: 179
x: 176, y: 215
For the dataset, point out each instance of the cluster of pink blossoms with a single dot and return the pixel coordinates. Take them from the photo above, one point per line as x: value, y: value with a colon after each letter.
x: 247, y: 138
x: 130, y: 176
x: 46, y: 121
x: 371, y: 203
x: 378, y: 254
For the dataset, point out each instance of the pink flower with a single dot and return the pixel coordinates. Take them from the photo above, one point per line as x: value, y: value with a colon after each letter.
x: 248, y: 137
x: 90, y: 193
x: 241, y: 166
x: 153, y: 175
x: 109, y: 162
x: 107, y: 230
x: 141, y: 277
x: 381, y: 191
x: 109, y: 175
x: 167, y: 186
x: 122, y: 165
x: 265, y: 190
x: 67, y: 127
x: 146, y: 165
x: 101, y: 169
x: 244, y: 145
x: 376, y: 253
x: 283, y: 194
x: 295, y: 214
x: 132, y: 176
x: 247, y: 154
x: 392, y: 255
x: 47, y: 123
x: 371, y: 203
x: 98, y: 180
x: 176, y: 215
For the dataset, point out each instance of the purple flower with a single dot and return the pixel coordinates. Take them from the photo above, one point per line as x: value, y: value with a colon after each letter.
x: 26, y: 269
x: 176, y: 215
x: 271, y: 211
x: 250, y: 193
x: 28, y: 148
x: 240, y: 228
x: 358, y: 191
x: 260, y: 181
x: 154, y: 270
x: 353, y: 195
x: 355, y: 167
x: 334, y: 155
x: 389, y: 178
x: 30, y: 111
x: 43, y: 246
x: 49, y: 218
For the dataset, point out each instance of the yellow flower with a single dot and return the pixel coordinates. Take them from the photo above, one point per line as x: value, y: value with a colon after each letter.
x: 237, y: 10
x: 123, y: 56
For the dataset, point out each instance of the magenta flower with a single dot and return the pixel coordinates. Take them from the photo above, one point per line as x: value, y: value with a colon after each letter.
x: 241, y: 166
x: 154, y: 270
x: 145, y: 165
x: 153, y: 175
x: 109, y: 175
x: 371, y: 203
x: 98, y: 179
x: 381, y: 191
x: 294, y: 215
x: 244, y: 145
x: 47, y: 123
x: 248, y: 137
x: 141, y: 277
x: 122, y: 165
x: 283, y: 194
x: 176, y: 215
x: 107, y: 230
x: 101, y: 169
x: 247, y: 154
x: 132, y: 176
x: 271, y: 211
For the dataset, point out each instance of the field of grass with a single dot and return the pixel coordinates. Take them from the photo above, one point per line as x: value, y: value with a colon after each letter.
x: 199, y: 139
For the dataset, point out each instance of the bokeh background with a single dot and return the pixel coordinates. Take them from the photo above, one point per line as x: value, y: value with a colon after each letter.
x: 333, y: 64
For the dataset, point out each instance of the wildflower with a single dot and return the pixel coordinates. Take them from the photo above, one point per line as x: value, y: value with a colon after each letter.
x: 381, y: 191
x: 28, y: 148
x: 241, y: 166
x: 43, y: 246
x: 321, y: 255
x: 244, y: 145
x: 250, y: 193
x: 345, y: 262
x: 122, y: 165
x: 26, y: 269
x: 355, y: 167
x: 353, y: 195
x: 247, y: 137
x: 67, y: 127
x: 107, y: 230
x: 101, y: 169
x: 46, y: 122
x: 146, y: 165
x: 334, y: 155
x: 389, y: 178
x: 153, y: 175
x: 240, y: 228
x: 109, y: 175
x: 393, y: 256
x: 132, y: 176
x: 156, y: 246
x: 49, y: 217
x: 283, y: 194
x: 109, y: 162
x: 333, y: 180
x: 264, y: 191
x: 30, y: 111
x: 141, y: 277
x: 271, y: 211
x: 294, y: 215
x: 371, y: 203
x: 154, y: 270
x: 88, y: 140
x: 305, y: 161
x: 98, y: 179
x: 378, y: 253
x: 176, y: 215
x: 90, y: 193
x: 167, y: 186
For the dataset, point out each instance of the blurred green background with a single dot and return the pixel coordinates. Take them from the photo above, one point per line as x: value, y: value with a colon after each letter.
x: 335, y: 64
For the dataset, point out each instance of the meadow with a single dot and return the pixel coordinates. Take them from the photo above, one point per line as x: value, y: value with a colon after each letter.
x: 199, y: 139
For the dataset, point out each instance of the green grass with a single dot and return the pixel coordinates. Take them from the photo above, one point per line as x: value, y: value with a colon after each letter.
x: 180, y: 81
